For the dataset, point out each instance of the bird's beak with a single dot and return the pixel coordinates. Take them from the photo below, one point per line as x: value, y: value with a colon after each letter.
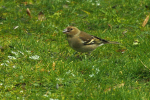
x: 65, y: 31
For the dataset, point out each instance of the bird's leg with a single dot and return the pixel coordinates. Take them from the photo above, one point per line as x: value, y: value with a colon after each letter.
x: 78, y: 54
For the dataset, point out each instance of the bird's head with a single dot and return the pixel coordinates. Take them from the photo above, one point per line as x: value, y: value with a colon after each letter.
x: 71, y: 31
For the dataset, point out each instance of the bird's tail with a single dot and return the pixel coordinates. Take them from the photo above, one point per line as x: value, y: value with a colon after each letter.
x: 102, y: 41
x: 108, y: 42
x: 112, y: 42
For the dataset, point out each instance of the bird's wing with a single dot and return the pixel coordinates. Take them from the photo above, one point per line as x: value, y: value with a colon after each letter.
x: 90, y: 39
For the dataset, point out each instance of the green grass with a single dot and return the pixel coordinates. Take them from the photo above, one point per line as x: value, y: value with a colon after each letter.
x: 111, y: 72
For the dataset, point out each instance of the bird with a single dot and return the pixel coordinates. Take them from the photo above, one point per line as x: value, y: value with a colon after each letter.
x: 82, y: 41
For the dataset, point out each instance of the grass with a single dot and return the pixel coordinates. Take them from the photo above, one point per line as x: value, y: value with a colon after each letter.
x: 36, y: 61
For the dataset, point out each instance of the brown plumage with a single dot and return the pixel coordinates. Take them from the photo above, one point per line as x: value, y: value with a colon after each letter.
x: 83, y: 42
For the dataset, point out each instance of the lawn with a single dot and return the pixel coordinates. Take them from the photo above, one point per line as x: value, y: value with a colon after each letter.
x: 36, y: 62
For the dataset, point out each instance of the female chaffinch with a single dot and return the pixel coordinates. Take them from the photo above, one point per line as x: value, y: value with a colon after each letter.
x: 83, y: 42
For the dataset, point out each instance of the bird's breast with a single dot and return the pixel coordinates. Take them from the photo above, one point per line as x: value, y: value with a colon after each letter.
x: 75, y: 42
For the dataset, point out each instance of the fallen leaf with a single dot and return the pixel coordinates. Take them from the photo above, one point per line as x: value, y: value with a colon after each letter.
x: 136, y: 42
x: 28, y: 12
x: 42, y: 70
x: 145, y: 21
x: 121, y: 50
x: 16, y: 27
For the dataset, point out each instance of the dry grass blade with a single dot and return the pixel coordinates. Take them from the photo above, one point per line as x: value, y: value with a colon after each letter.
x: 53, y: 66
x: 125, y: 31
x: 144, y: 65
